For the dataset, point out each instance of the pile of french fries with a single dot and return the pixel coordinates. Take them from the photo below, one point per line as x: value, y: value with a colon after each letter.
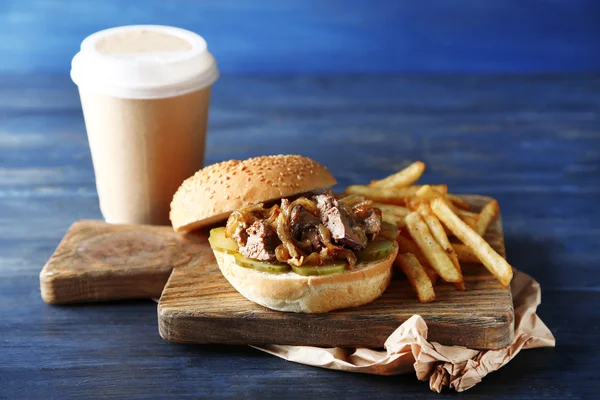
x: 427, y: 215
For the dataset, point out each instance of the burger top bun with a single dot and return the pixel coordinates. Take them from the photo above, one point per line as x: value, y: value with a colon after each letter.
x: 212, y: 193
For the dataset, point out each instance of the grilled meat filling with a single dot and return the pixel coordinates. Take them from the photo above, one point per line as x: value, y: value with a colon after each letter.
x: 315, y: 229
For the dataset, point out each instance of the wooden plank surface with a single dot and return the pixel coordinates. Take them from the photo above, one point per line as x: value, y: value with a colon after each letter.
x: 198, y: 305
x: 530, y: 141
x: 96, y: 261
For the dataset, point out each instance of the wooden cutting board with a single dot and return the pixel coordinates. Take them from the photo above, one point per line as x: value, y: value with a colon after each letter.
x: 97, y: 261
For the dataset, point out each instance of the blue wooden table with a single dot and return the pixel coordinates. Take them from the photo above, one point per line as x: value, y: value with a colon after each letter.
x: 532, y: 142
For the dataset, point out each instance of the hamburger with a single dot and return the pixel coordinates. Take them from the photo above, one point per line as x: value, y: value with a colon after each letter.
x: 282, y: 239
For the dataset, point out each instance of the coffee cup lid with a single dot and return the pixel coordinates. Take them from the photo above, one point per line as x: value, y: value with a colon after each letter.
x: 144, y: 62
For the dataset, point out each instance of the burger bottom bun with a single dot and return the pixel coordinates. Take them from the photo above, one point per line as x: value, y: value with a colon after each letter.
x: 309, y: 294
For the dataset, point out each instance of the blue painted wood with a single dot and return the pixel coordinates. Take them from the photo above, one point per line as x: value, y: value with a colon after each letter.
x: 324, y: 37
x: 533, y: 142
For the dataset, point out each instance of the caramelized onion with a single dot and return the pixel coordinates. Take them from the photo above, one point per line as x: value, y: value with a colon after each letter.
x: 283, y: 232
x: 247, y: 215
x: 361, y: 210
x: 291, y: 250
x: 335, y: 252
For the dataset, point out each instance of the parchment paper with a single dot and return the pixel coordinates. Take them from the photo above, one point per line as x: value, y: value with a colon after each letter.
x: 407, y: 348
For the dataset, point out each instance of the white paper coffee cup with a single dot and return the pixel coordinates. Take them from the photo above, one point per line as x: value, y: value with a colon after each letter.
x: 145, y: 94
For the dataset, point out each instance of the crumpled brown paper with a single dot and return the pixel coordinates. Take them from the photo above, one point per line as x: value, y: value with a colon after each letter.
x: 407, y: 349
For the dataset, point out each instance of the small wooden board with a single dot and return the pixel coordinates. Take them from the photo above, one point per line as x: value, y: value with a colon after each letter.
x: 97, y: 261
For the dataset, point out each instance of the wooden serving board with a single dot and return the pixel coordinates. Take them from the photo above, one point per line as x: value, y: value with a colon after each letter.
x: 97, y: 261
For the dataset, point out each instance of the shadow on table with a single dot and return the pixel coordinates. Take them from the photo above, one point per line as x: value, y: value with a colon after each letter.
x: 525, y: 253
x: 536, y: 258
x: 509, y: 379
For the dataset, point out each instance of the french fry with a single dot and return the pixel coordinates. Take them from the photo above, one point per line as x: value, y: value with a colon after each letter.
x: 414, y: 202
x: 464, y: 254
x: 497, y: 265
x: 392, y: 209
x: 487, y: 216
x: 465, y: 214
x: 426, y: 192
x: 431, y: 274
x: 458, y: 202
x: 393, y: 196
x: 467, y: 219
x: 406, y: 245
x: 430, y: 192
x: 417, y: 277
x: 439, y: 234
x: 437, y: 257
x: 424, y: 195
x: 406, y: 177
x: 352, y: 200
x: 397, y: 220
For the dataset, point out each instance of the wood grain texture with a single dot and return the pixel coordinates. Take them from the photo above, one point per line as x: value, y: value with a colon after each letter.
x: 325, y: 37
x: 97, y: 261
x: 198, y: 305
x: 530, y: 141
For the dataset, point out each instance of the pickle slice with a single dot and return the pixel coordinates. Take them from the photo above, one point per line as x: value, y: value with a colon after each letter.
x: 219, y: 241
x: 271, y: 268
x: 376, y: 250
x: 315, y: 270
x: 389, y: 231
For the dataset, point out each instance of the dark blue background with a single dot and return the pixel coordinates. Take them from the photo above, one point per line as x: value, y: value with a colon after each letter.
x: 325, y: 36
x: 508, y: 127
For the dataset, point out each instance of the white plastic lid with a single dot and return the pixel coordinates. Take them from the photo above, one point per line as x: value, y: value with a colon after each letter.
x: 144, y: 62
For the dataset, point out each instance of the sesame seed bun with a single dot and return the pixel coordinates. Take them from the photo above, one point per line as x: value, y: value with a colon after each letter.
x: 291, y: 292
x: 216, y: 190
